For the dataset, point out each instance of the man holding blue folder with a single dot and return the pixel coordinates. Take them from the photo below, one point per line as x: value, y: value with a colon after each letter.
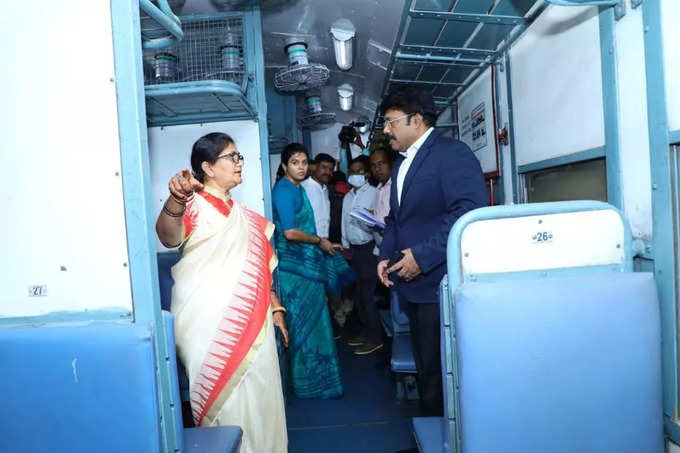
x: 358, y: 236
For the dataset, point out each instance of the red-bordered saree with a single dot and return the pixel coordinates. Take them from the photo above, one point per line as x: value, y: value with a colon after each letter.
x: 223, y: 326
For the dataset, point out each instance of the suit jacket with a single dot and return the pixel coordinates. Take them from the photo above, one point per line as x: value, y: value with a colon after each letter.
x: 443, y: 182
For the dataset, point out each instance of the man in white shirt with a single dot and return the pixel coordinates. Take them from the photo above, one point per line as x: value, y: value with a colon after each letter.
x: 359, y: 238
x: 381, y: 169
x: 317, y: 192
x: 340, y: 274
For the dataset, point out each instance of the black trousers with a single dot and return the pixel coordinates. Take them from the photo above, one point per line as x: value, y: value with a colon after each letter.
x: 425, y: 338
x: 364, y: 264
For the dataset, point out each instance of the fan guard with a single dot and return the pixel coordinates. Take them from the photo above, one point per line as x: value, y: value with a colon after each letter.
x: 316, y: 121
x: 301, y: 77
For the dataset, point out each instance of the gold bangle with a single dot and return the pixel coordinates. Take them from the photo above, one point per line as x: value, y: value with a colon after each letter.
x: 278, y: 309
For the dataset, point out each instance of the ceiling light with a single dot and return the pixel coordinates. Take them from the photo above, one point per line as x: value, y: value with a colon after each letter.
x: 343, y: 33
x: 345, y: 95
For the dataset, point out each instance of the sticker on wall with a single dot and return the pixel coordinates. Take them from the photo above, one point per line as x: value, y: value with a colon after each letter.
x: 542, y: 237
x: 37, y: 290
x: 477, y: 121
x: 478, y: 125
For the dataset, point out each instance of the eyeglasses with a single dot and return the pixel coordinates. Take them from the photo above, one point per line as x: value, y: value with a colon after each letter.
x: 235, y: 157
x: 388, y: 123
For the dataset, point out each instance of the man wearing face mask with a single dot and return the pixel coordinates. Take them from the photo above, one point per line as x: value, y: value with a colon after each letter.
x: 359, y: 238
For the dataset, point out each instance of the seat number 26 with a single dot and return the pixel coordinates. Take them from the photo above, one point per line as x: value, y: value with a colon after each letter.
x: 541, y: 237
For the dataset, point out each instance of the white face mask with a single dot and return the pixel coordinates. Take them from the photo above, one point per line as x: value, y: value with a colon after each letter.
x: 356, y: 180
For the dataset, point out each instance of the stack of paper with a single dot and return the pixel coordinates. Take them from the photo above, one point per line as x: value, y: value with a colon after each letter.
x: 367, y: 218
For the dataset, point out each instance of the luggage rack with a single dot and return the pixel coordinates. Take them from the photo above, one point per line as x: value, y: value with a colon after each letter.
x: 443, y: 50
x: 202, y: 77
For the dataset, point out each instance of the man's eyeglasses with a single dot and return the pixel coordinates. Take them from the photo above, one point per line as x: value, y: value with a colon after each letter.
x: 391, y: 122
x: 235, y: 157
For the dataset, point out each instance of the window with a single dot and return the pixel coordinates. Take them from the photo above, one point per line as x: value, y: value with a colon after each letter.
x: 585, y: 180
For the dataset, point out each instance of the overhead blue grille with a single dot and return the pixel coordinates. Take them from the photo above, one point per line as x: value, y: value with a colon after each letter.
x: 442, y: 45
x: 202, y: 78
x: 212, y: 49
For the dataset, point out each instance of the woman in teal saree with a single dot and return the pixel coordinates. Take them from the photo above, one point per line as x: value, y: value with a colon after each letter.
x: 314, y: 371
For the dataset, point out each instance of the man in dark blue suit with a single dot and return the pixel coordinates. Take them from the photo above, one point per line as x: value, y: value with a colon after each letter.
x: 435, y: 181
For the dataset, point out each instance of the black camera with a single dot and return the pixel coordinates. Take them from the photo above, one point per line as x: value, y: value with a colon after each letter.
x: 347, y: 134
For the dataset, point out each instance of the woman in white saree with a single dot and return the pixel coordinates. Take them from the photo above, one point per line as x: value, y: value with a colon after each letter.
x: 224, y: 306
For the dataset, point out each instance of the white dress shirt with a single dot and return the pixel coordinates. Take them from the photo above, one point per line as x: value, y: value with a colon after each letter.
x: 382, y: 209
x: 321, y: 205
x: 355, y: 232
x: 409, y: 155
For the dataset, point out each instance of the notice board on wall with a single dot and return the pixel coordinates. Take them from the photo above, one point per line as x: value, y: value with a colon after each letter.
x: 476, y: 115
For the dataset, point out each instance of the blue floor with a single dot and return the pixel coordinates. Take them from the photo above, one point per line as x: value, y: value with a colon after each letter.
x: 368, y: 418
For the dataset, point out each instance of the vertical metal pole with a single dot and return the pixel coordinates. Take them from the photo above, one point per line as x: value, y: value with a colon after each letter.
x: 252, y: 31
x: 139, y: 215
x: 663, y: 243
x: 511, y: 131
x: 610, y: 103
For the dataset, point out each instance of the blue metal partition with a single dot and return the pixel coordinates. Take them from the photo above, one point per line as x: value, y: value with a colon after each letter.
x: 256, y: 95
x: 664, y: 239
x: 173, y: 103
x: 139, y: 216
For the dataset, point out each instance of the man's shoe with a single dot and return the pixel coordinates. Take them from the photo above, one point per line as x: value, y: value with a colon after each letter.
x: 368, y: 348
x: 356, y: 341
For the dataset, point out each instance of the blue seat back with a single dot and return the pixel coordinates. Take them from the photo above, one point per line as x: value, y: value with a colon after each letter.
x: 400, y: 322
x: 165, y: 262
x: 541, y: 318
x: 82, y: 388
x: 562, y: 365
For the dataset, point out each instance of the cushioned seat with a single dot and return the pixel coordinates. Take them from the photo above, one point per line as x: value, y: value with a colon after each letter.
x: 165, y: 262
x: 569, y: 364
x: 402, y: 354
x: 218, y: 439
x: 78, y: 389
x: 429, y: 433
